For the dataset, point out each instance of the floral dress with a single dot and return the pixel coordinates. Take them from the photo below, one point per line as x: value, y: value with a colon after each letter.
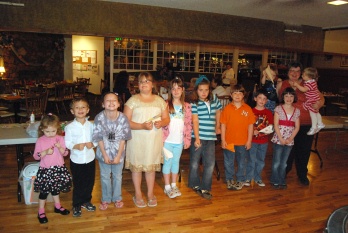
x: 286, y: 124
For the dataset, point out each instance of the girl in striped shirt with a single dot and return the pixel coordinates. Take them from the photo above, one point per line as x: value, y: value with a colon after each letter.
x: 206, y: 124
x: 310, y: 88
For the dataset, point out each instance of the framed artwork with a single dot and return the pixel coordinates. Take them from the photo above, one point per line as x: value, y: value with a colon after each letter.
x: 344, y: 61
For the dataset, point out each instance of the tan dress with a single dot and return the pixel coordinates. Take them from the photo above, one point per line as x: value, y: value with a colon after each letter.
x: 144, y: 150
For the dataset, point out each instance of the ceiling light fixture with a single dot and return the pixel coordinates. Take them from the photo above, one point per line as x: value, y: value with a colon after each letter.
x: 337, y: 2
x: 12, y: 3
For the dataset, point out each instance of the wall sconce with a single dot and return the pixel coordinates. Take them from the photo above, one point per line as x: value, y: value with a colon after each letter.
x: 2, y: 67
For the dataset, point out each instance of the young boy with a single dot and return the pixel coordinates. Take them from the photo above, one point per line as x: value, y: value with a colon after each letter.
x: 237, y: 121
x: 78, y: 139
x: 259, y: 144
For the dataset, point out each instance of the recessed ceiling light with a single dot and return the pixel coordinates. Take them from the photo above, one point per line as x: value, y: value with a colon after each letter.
x: 337, y: 2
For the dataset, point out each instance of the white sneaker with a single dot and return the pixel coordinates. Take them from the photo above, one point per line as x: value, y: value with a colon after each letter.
x: 319, y: 127
x: 246, y: 183
x: 260, y: 183
x: 176, y: 191
x: 170, y: 193
x: 312, y: 131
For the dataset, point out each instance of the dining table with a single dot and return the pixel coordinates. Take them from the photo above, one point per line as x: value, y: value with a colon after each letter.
x: 336, y: 123
x: 15, y: 134
x: 15, y: 101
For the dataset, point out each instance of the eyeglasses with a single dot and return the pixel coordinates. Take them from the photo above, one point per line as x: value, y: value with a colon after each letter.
x: 145, y: 81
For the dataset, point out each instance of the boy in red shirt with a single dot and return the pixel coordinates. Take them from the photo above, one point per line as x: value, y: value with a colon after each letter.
x: 257, y: 152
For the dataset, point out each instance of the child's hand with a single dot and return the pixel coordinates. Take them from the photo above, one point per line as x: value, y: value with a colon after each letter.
x: 80, y: 146
x: 117, y: 160
x: 197, y: 143
x: 187, y: 146
x: 148, y: 125
x: 223, y: 144
x: 107, y: 160
x: 89, y: 145
x: 282, y: 141
x: 256, y: 132
x: 158, y: 124
x: 49, y: 151
x: 57, y: 144
x: 287, y: 141
x: 218, y: 130
x: 248, y: 145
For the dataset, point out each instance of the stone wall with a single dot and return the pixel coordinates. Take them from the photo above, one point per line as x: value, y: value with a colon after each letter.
x: 34, y: 56
x: 100, y: 18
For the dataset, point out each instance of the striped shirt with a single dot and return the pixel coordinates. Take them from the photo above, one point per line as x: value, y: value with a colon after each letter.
x: 206, y: 118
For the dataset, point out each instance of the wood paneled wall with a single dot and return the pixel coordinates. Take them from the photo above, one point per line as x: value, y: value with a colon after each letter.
x: 101, y: 18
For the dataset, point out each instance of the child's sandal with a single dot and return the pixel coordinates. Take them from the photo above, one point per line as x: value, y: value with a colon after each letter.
x: 103, y: 205
x: 152, y: 202
x: 119, y: 204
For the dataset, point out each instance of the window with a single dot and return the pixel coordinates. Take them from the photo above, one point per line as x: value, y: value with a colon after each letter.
x: 176, y: 55
x: 212, y: 59
x: 281, y: 58
x: 133, y: 54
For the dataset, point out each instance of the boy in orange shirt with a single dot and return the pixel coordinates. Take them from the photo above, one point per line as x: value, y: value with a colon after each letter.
x: 237, y: 121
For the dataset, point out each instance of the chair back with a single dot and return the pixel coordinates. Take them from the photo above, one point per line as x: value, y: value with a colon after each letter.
x: 69, y: 91
x: 59, y: 92
x: 103, y: 84
x: 224, y: 100
x: 36, y: 103
x: 83, y: 80
x: 18, y: 89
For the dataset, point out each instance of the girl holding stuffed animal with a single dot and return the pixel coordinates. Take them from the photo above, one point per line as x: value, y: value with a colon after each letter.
x: 268, y: 79
x: 52, y: 176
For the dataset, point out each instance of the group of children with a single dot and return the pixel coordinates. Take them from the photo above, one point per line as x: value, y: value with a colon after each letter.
x: 244, y: 137
x: 109, y: 132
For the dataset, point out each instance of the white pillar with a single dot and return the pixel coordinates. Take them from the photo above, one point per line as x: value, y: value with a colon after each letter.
x: 264, y: 58
x: 235, y: 61
x: 111, y: 64
x: 197, y: 58
x: 154, y: 50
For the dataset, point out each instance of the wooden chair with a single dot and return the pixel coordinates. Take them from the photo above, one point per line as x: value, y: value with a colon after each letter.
x: 6, y: 116
x: 58, y: 97
x: 83, y: 80
x: 97, y: 96
x: 224, y: 100
x: 69, y: 92
x: 35, y: 103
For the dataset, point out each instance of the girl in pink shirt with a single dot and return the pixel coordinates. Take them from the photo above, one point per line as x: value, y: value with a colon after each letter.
x: 52, y: 176
x: 176, y: 135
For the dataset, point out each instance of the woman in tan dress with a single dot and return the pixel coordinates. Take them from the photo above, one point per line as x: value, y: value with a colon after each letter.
x: 147, y: 114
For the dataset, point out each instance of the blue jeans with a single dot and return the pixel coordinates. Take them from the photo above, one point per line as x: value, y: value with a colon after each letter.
x: 280, y: 157
x: 207, y: 153
x: 111, y: 185
x: 171, y: 165
x: 241, y: 155
x: 256, y: 161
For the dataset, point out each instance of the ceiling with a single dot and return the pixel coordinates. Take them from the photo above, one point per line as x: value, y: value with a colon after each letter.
x: 294, y: 12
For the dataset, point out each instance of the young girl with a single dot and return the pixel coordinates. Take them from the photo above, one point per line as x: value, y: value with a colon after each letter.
x: 286, y: 126
x: 269, y: 77
x: 310, y: 88
x: 52, y: 176
x: 177, y: 135
x: 147, y: 114
x: 111, y: 130
x: 206, y: 124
